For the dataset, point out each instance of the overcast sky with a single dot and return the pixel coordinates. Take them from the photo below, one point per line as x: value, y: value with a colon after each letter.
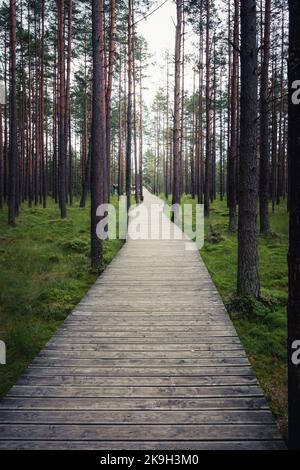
x: 159, y: 31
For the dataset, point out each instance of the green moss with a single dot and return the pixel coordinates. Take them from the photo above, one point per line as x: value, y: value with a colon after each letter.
x: 44, y: 273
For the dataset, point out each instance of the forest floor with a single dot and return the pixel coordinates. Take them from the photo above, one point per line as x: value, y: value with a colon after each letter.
x: 261, y: 325
x: 44, y: 273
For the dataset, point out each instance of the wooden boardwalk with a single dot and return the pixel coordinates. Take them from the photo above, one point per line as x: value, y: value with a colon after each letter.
x: 149, y: 359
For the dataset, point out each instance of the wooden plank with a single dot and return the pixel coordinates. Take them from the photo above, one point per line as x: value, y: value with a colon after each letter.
x: 135, y: 392
x: 120, y: 403
x: 137, y: 417
x: 143, y: 445
x: 141, y: 432
x: 124, y: 323
x: 146, y: 362
x: 140, y: 334
x: 137, y: 330
x: 52, y: 354
x: 162, y: 340
x: 220, y: 347
x: 196, y: 380
x: 178, y: 371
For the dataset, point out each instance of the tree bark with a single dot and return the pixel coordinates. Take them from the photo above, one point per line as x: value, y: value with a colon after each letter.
x: 135, y: 150
x: 98, y: 148
x: 129, y: 106
x: 176, y: 129
x: 1, y: 160
x: 13, y: 134
x: 232, y: 155
x: 207, y: 183
x: 199, y: 166
x: 42, y: 92
x: 111, y: 63
x: 68, y: 142
x: 264, y: 127
x: 274, y: 141
x: 62, y: 157
x: 141, y: 136
x: 247, y: 275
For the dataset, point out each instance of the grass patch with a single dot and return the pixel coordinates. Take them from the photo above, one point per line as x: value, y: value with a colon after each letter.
x: 261, y: 325
x: 44, y: 273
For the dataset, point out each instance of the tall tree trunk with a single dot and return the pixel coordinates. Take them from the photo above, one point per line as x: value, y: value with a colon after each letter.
x: 281, y: 137
x: 68, y: 143
x: 228, y: 98
x: 22, y: 118
x: 121, y: 144
x: 55, y: 128
x: 199, y: 170
x: 98, y: 149
x: 136, y: 169
x: 6, y: 112
x: 129, y: 106
x: 274, y: 140
x: 264, y: 127
x: 141, y: 136
x: 208, y: 117
x: 13, y: 134
x: 86, y: 179
x: 214, y: 127
x: 42, y: 108
x: 294, y: 205
x: 36, y: 114
x: 62, y: 157
x: 85, y: 153
x: 221, y: 141
x: 232, y: 156
x: 176, y: 131
x: 247, y: 275
x: 111, y: 63
x: 1, y: 159
x: 182, y: 136
x: 193, y: 140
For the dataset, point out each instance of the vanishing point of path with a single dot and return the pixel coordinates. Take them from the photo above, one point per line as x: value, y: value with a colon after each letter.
x: 149, y: 359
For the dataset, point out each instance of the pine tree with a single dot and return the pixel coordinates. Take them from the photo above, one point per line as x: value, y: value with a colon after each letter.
x: 247, y: 275
x: 13, y: 134
x: 98, y: 147
x: 177, y: 96
x: 264, y: 126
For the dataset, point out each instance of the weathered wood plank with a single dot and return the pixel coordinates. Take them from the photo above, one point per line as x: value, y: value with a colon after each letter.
x: 149, y: 372
x: 196, y: 380
x: 135, y: 392
x: 52, y: 354
x: 146, y: 362
x: 137, y: 417
x: 143, y: 445
x: 120, y: 403
x: 138, y: 323
x: 138, y: 327
x: 148, y: 339
x: 60, y: 346
x: 141, y: 432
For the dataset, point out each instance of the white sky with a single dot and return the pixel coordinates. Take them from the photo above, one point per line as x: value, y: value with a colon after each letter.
x: 159, y: 32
